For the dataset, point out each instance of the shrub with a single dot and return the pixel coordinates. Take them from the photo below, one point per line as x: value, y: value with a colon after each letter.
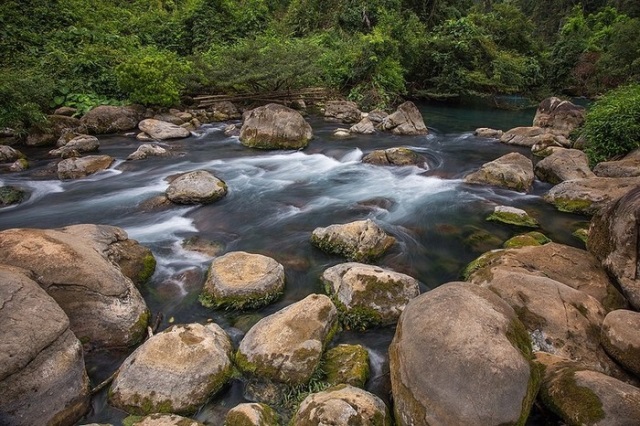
x: 25, y: 95
x: 612, y: 125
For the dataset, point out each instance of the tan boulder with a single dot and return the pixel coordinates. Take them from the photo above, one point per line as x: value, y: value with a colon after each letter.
x: 360, y: 241
x: 112, y: 119
x: 406, y: 120
x: 79, y: 167
x: 621, y: 339
x: 564, y: 164
x: 587, y: 196
x: 512, y: 171
x: 343, y: 111
x: 275, y: 126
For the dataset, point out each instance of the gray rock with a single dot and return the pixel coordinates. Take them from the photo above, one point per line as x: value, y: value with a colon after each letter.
x: 112, y: 119
x: 377, y: 116
x: 240, y: 279
x: 485, y: 132
x: 398, y: 156
x: 197, y: 187
x: 79, y: 167
x: 56, y: 126
x: 561, y: 116
x: 79, y: 144
x: 148, y: 150
x: 363, y: 127
x: 342, y: 405
x: 72, y: 264
x: 360, y: 241
x: 9, y: 155
x: 252, y: 414
x: 629, y: 166
x: 512, y: 171
x: 344, y: 111
x: 406, y: 120
x: 530, y: 136
x: 170, y: 118
x: 275, y: 126
x: 588, y: 196
x: 175, y: 371
x: 224, y: 111
x: 621, y: 340
x: 162, y: 130
x: 42, y: 375
x: 564, y: 164
x: 369, y: 295
x: 451, y: 346
x: 613, y: 239
x: 287, y: 346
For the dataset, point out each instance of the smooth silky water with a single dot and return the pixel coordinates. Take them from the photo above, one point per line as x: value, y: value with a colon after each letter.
x: 275, y: 200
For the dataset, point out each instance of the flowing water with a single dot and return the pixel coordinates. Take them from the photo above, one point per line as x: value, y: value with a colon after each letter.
x: 275, y: 200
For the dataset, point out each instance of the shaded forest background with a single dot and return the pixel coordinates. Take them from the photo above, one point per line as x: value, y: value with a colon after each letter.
x: 158, y: 52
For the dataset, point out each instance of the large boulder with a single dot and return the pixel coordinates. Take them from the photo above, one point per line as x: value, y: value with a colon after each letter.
x: 574, y: 267
x: 588, y: 196
x: 342, y: 405
x: 564, y: 164
x: 363, y: 127
x: 197, y: 187
x: 162, y: 130
x: 287, y: 346
x: 275, y: 126
x: 56, y: 126
x: 78, y: 145
x: 243, y: 280
x: 451, y: 346
x: 512, y: 171
x: 561, y: 116
x: 252, y: 414
x: 79, y: 167
x: 73, y: 265
x: 112, y: 119
x: 344, y: 111
x: 406, y: 120
x: 580, y: 396
x: 613, y: 239
x: 629, y: 166
x: 399, y: 156
x: 42, y: 375
x: 360, y: 241
x: 530, y: 136
x: 369, y: 295
x: 621, y: 339
x: 175, y: 371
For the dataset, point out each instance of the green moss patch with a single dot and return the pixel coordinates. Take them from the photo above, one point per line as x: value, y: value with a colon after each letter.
x: 570, y: 205
x: 576, y: 405
x: 513, y: 219
x: 529, y: 239
x: 347, y: 364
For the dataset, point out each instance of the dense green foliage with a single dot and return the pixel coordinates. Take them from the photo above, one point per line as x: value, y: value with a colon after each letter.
x: 79, y: 53
x: 612, y: 127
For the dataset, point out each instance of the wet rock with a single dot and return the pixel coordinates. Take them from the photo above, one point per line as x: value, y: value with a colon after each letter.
x: 377, y: 116
x: 79, y: 144
x: 203, y: 246
x: 231, y: 130
x: 287, y: 346
x: 564, y: 164
x: 112, y: 119
x: 529, y: 239
x: 135, y: 260
x: 275, y: 126
x: 42, y: 375
x: 347, y: 364
x: 344, y: 111
x: 148, y: 150
x: 159, y: 419
x: 438, y: 352
x: 72, y: 264
x: 143, y: 137
x: 621, y: 340
x: 369, y: 295
x: 252, y: 414
x: 406, y: 120
x: 9, y: 155
x: 512, y: 216
x: 341, y: 133
x: 363, y: 127
x: 530, y: 136
x: 583, y: 397
x: 241, y: 280
x: 360, y: 241
x: 175, y: 371
x: 55, y: 127
x: 197, y: 187
x: 588, y: 196
x: 224, y: 111
x: 342, y: 405
x: 613, y: 239
x: 485, y: 132
x: 561, y: 116
x: 512, y: 171
x: 162, y: 130
x: 629, y: 166
x: 19, y: 165
x: 480, y: 240
x: 170, y: 118
x: 79, y: 167
x: 576, y: 268
x: 395, y: 157
x: 10, y: 195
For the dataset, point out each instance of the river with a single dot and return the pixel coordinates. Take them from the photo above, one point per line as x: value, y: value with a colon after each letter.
x: 275, y: 200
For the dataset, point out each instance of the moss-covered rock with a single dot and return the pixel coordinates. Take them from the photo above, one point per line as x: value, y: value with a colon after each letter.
x: 587, y: 196
x: 275, y: 126
x: 252, y: 414
x: 360, y: 241
x: 621, y: 340
x: 512, y: 216
x: 512, y: 171
x: 529, y: 239
x: 160, y: 419
x: 348, y: 364
x: 11, y: 195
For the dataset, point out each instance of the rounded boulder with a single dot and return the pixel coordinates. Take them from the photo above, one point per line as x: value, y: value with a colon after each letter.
x: 275, y: 126
x: 198, y: 187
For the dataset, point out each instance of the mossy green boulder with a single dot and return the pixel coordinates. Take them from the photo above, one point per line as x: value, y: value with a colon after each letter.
x: 348, y: 364
x: 512, y: 216
x: 359, y: 241
x: 529, y: 239
x: 511, y: 171
x: 252, y: 414
x: 588, y: 196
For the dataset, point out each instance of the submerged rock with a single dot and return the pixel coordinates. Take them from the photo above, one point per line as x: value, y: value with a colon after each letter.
x: 287, y: 346
x: 275, y: 126
x: 112, y: 119
x: 587, y: 196
x: 564, y: 164
x: 441, y: 358
x: 77, y: 168
x: 241, y: 280
x: 175, y: 371
x: 347, y: 364
x: 342, y: 405
x: 42, y: 375
x: 512, y: 171
x: 162, y: 130
x: 406, y: 120
x: 369, y: 295
x: 394, y: 157
x: 197, y: 187
x: 344, y: 111
x: 73, y: 265
x: 621, y: 340
x: 361, y: 241
x: 512, y: 216
x: 252, y: 414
